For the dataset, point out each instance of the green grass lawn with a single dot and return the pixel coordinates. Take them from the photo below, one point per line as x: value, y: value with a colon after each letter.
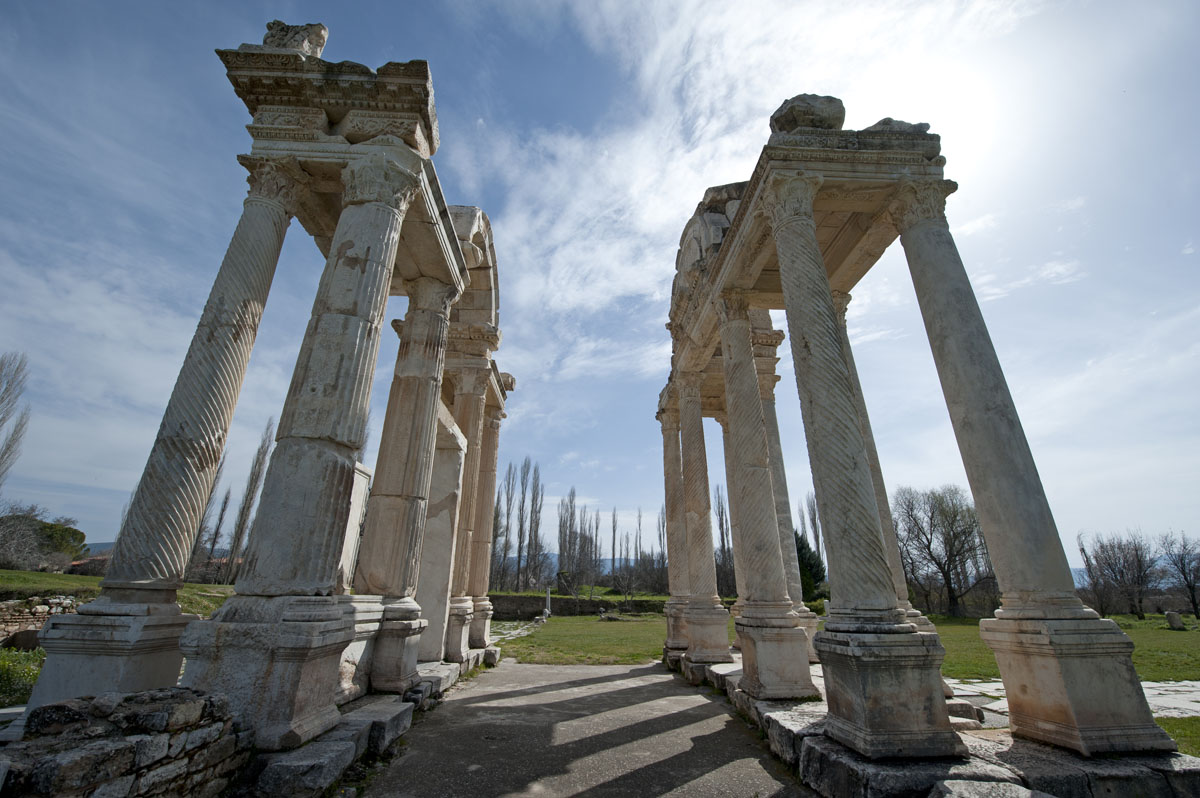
x: 1186, y: 732
x: 200, y: 599
x: 587, y: 640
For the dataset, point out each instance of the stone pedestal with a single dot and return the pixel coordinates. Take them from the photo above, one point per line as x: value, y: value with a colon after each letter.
x: 394, y: 665
x: 480, y: 635
x: 770, y: 667
x: 277, y: 659
x: 708, y: 634
x: 677, y: 630
x: 458, y: 629
x: 1071, y: 683
x: 885, y: 694
x: 354, y: 674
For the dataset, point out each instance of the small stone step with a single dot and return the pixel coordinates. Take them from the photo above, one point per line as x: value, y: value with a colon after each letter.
x: 305, y: 772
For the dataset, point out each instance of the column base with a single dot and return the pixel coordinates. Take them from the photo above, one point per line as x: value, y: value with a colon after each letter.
x: 354, y: 672
x: 1071, y: 683
x: 708, y: 634
x: 808, y: 622
x: 481, y: 624
x: 677, y: 630
x: 774, y: 660
x: 394, y: 666
x: 113, y: 648
x: 458, y: 629
x: 277, y: 658
x: 885, y: 694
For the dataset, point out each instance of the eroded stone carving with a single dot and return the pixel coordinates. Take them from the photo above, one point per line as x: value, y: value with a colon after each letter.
x: 309, y: 39
x: 808, y: 111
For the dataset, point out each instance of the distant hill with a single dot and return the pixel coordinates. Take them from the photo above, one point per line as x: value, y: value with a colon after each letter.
x: 96, y: 549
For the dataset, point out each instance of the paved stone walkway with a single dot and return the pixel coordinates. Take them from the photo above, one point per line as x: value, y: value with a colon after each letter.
x: 548, y: 730
x: 1166, y: 699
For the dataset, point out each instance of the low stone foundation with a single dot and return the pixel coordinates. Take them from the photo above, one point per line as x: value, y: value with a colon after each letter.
x: 173, y: 741
x: 995, y: 764
x: 18, y: 615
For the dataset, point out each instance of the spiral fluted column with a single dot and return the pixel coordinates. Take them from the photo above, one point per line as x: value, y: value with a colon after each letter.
x: 863, y: 591
x: 739, y: 573
x: 164, y: 514
x: 841, y: 300
x: 708, y: 640
x: 391, y: 541
x: 866, y: 649
x: 1068, y: 674
x: 677, y: 549
x: 783, y: 508
x: 470, y: 395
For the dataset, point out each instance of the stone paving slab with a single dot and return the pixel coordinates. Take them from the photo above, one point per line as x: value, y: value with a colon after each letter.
x: 548, y: 730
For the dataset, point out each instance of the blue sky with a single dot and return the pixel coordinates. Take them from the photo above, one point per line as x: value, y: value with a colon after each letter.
x: 588, y: 132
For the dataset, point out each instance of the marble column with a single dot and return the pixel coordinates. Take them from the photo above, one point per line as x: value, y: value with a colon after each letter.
x: 841, y: 300
x: 437, y: 549
x: 707, y: 619
x: 783, y: 509
x: 274, y: 647
x: 470, y: 394
x: 774, y: 646
x: 127, y: 639
x: 677, y: 548
x: 867, y: 649
x: 1068, y: 674
x: 390, y: 552
x: 739, y: 572
x: 481, y: 540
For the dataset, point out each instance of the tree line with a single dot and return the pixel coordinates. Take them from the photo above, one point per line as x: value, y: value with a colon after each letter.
x: 1131, y: 572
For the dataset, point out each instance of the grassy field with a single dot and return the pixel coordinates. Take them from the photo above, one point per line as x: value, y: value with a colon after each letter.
x: 200, y: 599
x: 1186, y: 732
x: 587, y: 640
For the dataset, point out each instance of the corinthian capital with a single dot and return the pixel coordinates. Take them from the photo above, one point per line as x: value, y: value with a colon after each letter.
x: 688, y: 385
x: 276, y: 180
x: 376, y: 178
x: 669, y: 419
x: 841, y: 301
x: 426, y: 293
x: 732, y: 305
x: 790, y: 196
x: 920, y: 201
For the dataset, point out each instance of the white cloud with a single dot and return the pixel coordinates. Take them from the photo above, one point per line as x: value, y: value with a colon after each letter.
x: 1188, y: 249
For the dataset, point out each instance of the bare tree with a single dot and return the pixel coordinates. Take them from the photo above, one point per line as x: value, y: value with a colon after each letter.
x: 522, y: 518
x: 1180, y: 556
x: 254, y: 480
x: 14, y: 373
x: 536, y: 555
x: 940, y: 531
x: 814, y: 521
x: 1128, y: 563
x: 508, y: 492
x: 205, y: 529
x: 1098, y: 592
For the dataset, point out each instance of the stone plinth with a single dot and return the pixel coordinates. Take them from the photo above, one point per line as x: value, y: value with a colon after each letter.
x: 354, y: 673
x: 458, y: 628
x: 770, y: 663
x: 394, y: 665
x: 277, y: 659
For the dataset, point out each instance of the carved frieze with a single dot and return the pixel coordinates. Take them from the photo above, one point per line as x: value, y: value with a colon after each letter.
x: 361, y: 124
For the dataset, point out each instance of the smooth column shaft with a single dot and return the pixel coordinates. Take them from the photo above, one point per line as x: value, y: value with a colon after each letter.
x: 469, y: 401
x: 783, y: 509
x: 677, y: 557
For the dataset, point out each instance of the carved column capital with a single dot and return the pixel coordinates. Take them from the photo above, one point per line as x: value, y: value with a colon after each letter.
x: 471, y: 381
x: 276, y: 181
x: 766, y: 385
x: 722, y: 418
x: 688, y: 385
x: 375, y: 178
x: 492, y: 416
x: 732, y: 305
x: 426, y: 293
x: 920, y: 201
x: 841, y: 300
x: 790, y: 196
x: 669, y: 419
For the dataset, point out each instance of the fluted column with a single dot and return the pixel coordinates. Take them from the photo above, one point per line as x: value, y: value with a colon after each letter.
x: 298, y: 529
x: 1068, y: 674
x: 774, y: 648
x: 841, y: 301
x: 677, y: 549
x: 481, y: 542
x: 127, y: 639
x: 470, y: 394
x: 708, y: 639
x: 392, y: 535
x: 866, y: 649
x: 275, y: 647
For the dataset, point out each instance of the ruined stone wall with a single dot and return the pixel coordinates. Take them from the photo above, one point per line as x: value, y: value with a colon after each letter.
x: 18, y: 615
x: 172, y: 741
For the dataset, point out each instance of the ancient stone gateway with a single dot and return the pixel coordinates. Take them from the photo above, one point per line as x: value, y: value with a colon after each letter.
x: 347, y: 152
x: 820, y: 208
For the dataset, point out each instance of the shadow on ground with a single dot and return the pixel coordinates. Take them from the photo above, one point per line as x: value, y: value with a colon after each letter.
x: 587, y: 730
